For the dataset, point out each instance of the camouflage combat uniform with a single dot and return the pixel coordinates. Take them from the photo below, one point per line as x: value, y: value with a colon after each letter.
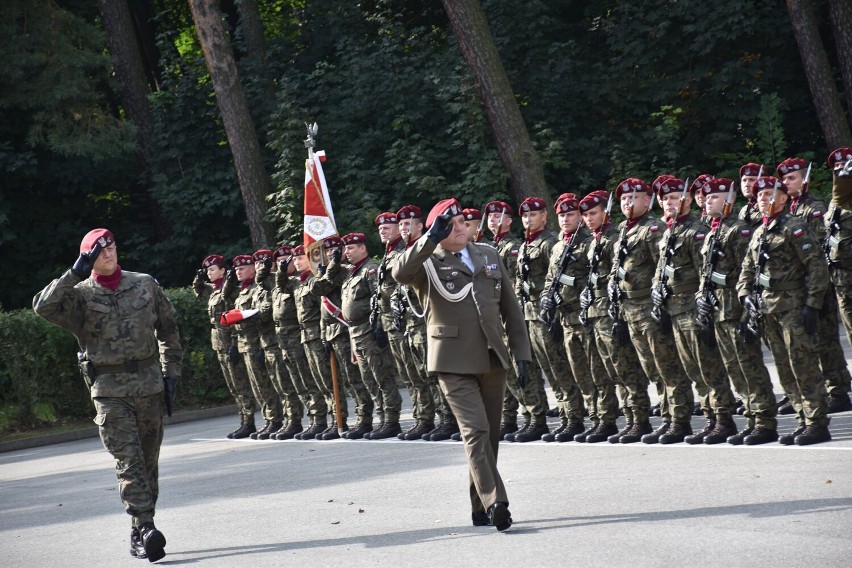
x: 794, y: 275
x: 222, y: 340
x: 750, y: 215
x: 131, y: 339
x: 838, y: 248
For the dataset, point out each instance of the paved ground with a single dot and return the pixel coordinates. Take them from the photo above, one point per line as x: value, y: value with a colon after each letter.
x: 389, y: 503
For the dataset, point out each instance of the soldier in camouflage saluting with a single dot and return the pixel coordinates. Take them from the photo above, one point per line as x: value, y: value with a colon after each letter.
x: 782, y: 285
x: 207, y: 287
x: 130, y: 357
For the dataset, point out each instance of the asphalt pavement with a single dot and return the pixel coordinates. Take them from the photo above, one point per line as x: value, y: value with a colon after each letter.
x: 236, y: 503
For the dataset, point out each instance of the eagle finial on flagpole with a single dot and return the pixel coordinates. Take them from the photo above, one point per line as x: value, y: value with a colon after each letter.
x: 311, y: 141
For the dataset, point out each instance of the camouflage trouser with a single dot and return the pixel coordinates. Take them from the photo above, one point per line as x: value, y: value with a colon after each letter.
x: 422, y: 403
x: 131, y: 430
x: 626, y: 370
x: 437, y: 402
x: 531, y: 400
x: 553, y: 360
x: 350, y: 379
x: 796, y: 356
x: 261, y: 385
x: 510, y: 406
x: 703, y: 364
x: 744, y: 363
x: 832, y: 360
x: 321, y: 371
x: 297, y: 365
x: 283, y: 384
x: 378, y: 370
x: 578, y: 349
x: 844, y: 301
x: 604, y: 384
x: 658, y: 356
x: 236, y: 377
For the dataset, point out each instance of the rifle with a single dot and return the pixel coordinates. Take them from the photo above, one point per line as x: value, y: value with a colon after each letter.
x: 499, y: 225
x: 478, y: 236
x: 548, y: 317
x: 658, y: 311
x: 525, y: 270
x: 805, y: 181
x: 711, y: 278
x: 589, y: 290
x: 831, y: 242
x: 619, y: 326
x: 399, y: 303
x: 375, y: 320
x: 760, y: 281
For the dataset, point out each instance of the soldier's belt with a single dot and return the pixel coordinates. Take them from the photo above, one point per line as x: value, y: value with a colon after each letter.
x: 684, y: 287
x: 769, y: 284
x: 634, y: 294
x: 286, y: 328
x: 309, y: 326
x: 127, y: 366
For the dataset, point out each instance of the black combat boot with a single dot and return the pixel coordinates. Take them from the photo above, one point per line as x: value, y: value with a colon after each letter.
x: 723, y: 430
x: 507, y: 428
x: 603, y: 432
x: 573, y: 428
x: 551, y: 436
x: 269, y: 429
x: 785, y: 406
x: 614, y: 438
x: 334, y: 433
x: 416, y: 432
x: 244, y: 431
x: 359, y: 431
x: 510, y: 437
x: 838, y: 403
x: 327, y: 430
x: 289, y: 432
x: 637, y: 432
x: 533, y: 433
x: 581, y: 437
x: 739, y: 407
x: 813, y: 435
x: 313, y: 430
x: 677, y: 432
x: 137, y: 549
x: 389, y: 430
x: 788, y: 439
x: 655, y: 410
x: 654, y: 436
x: 760, y: 435
x: 369, y: 435
x: 153, y: 541
x: 443, y: 432
x: 739, y: 438
x: 698, y: 437
x: 552, y: 413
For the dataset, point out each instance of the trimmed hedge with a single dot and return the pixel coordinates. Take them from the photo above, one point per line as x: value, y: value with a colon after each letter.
x: 40, y: 382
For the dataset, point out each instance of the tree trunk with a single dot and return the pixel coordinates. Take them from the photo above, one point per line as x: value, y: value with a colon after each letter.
x: 818, y: 71
x: 526, y: 175
x: 239, y: 127
x: 130, y: 71
x: 146, y: 34
x: 841, y: 11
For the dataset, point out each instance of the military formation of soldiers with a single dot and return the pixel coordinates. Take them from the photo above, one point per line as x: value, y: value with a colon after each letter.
x: 682, y: 301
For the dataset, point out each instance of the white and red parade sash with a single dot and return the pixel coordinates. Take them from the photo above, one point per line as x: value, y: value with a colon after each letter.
x: 334, y: 311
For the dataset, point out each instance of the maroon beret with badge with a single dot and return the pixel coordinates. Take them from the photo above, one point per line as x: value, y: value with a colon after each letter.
x: 671, y: 185
x: 450, y: 207
x: 717, y: 185
x: 655, y: 185
x: 631, y: 184
x: 769, y: 182
x: 103, y: 237
x: 841, y: 155
x: 595, y: 198
x: 533, y: 204
x: 332, y: 242
x: 791, y: 165
x: 242, y: 260
x: 354, y: 239
x: 409, y: 212
x: 699, y: 182
x: 261, y: 255
x: 216, y: 259
x: 499, y: 207
x: 282, y: 251
x: 471, y: 214
x: 566, y: 203
x: 299, y: 250
x: 386, y: 218
x: 752, y: 169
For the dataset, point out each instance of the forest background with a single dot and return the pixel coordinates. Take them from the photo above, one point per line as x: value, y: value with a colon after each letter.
x: 180, y: 124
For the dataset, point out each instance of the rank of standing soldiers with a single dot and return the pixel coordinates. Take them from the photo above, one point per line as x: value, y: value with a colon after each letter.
x: 683, y: 302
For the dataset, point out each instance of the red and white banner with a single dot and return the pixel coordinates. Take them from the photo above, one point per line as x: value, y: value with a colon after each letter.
x: 319, y: 218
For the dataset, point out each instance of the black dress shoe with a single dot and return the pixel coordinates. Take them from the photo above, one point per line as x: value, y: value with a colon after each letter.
x: 137, y: 549
x: 480, y: 519
x: 501, y: 518
x: 153, y: 541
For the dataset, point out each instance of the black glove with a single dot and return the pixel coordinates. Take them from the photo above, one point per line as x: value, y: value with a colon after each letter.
x: 585, y: 299
x: 809, y: 318
x: 380, y: 336
x: 169, y: 389
x: 705, y: 309
x: 397, y: 308
x: 326, y: 345
x: 202, y: 275
x: 621, y: 333
x: 83, y: 266
x: 231, y: 277
x: 612, y: 291
x: 336, y: 254
x: 744, y: 332
x: 233, y: 355
x: 659, y: 294
x: 523, y: 374
x: 750, y: 306
x: 440, y: 229
x: 546, y: 303
x: 320, y: 269
x: 267, y: 263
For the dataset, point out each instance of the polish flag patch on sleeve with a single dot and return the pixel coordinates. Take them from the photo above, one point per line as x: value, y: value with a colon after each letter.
x: 514, y: 252
x: 798, y: 232
x: 371, y: 271
x: 745, y: 232
x: 699, y: 236
x: 653, y: 228
x: 816, y: 213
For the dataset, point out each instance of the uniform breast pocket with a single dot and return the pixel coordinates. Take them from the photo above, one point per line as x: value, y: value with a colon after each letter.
x: 451, y: 280
x: 443, y: 331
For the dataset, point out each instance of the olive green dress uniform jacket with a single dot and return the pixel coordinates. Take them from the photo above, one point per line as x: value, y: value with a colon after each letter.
x: 461, y: 333
x: 135, y: 323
